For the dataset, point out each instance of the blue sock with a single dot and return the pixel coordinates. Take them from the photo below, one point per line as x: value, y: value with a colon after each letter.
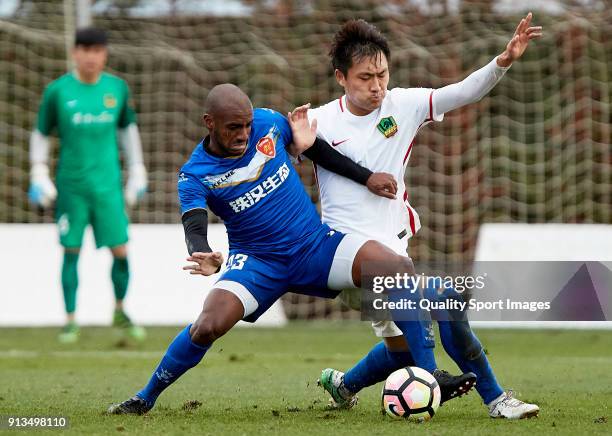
x: 182, y: 354
x: 376, y: 367
x: 486, y: 384
x: 417, y: 329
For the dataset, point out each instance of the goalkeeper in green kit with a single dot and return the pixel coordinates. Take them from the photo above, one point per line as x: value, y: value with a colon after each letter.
x: 91, y: 113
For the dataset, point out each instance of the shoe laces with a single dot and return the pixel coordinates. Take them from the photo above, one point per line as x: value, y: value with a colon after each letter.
x: 442, y: 374
x: 509, y: 400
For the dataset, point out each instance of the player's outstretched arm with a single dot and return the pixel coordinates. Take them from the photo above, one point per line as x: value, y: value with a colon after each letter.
x: 205, y: 261
x: 320, y: 152
x: 479, y: 83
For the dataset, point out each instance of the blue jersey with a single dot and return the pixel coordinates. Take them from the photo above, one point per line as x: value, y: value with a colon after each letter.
x: 258, y: 195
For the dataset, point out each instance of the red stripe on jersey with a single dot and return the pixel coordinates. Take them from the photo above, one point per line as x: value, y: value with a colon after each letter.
x: 341, y: 108
x: 412, y: 226
x: 408, y: 152
x: 431, y: 106
x: 410, y: 214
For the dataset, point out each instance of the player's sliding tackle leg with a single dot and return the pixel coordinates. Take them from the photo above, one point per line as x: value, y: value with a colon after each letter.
x: 462, y: 345
x: 222, y: 310
x: 380, y: 362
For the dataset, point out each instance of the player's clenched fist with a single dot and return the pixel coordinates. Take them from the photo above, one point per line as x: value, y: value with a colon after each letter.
x: 205, y: 264
x: 382, y: 184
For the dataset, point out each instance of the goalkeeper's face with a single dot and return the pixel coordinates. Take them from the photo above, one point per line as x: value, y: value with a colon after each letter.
x: 365, y: 83
x: 90, y: 60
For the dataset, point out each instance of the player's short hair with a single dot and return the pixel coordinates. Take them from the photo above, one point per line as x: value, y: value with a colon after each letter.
x: 88, y: 36
x: 355, y: 41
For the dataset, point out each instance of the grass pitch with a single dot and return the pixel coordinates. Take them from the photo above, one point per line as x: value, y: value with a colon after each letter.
x: 262, y: 381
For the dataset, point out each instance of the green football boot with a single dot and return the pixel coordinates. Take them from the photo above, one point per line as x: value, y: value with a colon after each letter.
x: 69, y: 333
x: 333, y: 382
x: 122, y: 321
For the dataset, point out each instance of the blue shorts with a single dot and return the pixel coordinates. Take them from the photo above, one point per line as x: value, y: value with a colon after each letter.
x: 258, y: 280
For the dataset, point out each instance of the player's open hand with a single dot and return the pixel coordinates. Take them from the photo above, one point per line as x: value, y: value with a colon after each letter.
x: 519, y: 42
x: 382, y: 184
x: 205, y: 264
x: 304, y: 132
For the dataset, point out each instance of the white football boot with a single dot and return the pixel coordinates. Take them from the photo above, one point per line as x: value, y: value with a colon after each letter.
x: 506, y: 406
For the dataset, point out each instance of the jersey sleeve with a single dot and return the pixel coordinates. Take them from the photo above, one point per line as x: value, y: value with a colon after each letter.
x: 128, y: 114
x: 421, y: 103
x: 47, y: 113
x: 191, y: 192
x: 284, y: 128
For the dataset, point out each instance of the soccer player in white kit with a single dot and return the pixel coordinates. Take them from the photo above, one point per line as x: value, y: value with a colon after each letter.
x: 376, y: 127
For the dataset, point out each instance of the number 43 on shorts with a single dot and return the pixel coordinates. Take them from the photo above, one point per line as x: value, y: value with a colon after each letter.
x: 236, y: 261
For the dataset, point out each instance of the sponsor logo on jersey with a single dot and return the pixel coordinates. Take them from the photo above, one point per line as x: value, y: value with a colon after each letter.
x: 266, y: 146
x: 109, y: 101
x: 337, y: 143
x: 266, y: 150
x: 219, y: 181
x: 71, y: 103
x: 182, y: 178
x: 87, y: 118
x: 260, y: 191
x: 387, y: 127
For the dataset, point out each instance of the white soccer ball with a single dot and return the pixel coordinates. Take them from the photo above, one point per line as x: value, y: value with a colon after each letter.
x: 411, y: 393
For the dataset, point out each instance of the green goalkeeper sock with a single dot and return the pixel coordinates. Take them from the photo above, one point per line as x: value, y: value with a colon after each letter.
x: 120, y: 274
x: 70, y: 280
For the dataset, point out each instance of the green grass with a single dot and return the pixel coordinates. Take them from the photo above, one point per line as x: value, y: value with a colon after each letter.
x: 262, y: 381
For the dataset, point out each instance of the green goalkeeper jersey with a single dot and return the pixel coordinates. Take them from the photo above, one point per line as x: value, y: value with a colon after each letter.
x: 86, y: 117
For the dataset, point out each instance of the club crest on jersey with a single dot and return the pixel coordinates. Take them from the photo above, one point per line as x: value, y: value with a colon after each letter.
x: 266, y: 146
x: 387, y: 127
x: 109, y: 101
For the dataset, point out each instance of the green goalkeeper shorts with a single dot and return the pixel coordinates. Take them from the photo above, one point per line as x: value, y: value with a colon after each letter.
x: 105, y: 212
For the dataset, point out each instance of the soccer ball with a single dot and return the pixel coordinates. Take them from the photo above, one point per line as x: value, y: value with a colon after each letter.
x: 411, y: 393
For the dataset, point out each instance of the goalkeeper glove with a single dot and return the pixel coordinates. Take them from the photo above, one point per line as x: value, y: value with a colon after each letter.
x: 42, y: 190
x: 136, y: 185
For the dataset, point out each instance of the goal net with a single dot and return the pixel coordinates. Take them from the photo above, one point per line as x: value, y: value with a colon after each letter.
x: 536, y: 150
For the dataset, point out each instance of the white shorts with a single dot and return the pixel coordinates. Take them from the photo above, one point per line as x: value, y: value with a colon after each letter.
x: 341, y: 277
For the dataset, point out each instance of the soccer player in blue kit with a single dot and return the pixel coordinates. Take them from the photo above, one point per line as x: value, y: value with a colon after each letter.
x: 277, y: 243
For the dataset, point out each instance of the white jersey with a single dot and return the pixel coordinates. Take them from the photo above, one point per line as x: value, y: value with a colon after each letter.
x: 382, y: 142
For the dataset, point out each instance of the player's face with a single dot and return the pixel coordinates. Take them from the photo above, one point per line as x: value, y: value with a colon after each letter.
x: 230, y: 131
x: 90, y: 60
x: 365, y: 84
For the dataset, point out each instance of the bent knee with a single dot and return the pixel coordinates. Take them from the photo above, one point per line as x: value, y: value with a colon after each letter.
x: 206, y: 331
x: 400, y: 264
